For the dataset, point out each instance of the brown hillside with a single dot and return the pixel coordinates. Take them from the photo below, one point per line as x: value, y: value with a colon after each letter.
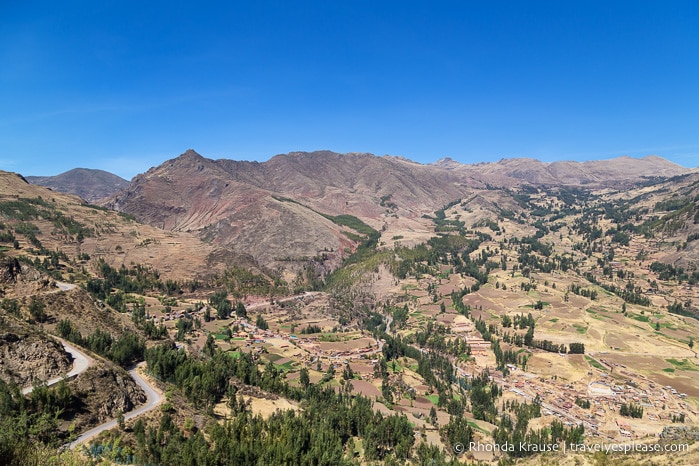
x: 620, y: 171
x: 89, y: 184
x: 118, y: 239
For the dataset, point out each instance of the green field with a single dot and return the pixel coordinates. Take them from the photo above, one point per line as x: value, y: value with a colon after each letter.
x: 594, y: 363
x: 287, y: 366
x: 684, y: 365
x: 475, y: 426
x: 639, y: 317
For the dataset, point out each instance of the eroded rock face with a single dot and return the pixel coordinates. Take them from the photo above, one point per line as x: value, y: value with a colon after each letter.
x: 109, y: 391
x: 27, y: 358
x: 17, y: 279
x: 10, y: 269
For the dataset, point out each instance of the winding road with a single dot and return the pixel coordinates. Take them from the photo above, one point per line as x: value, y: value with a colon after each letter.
x: 154, y: 398
x: 65, y: 286
x: 81, y: 362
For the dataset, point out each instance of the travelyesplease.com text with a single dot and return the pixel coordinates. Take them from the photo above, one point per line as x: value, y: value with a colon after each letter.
x: 625, y: 448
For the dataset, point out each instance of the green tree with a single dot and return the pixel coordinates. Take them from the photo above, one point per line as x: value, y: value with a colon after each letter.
x: 506, y: 321
x: 304, y: 379
x: 261, y: 323
x: 577, y: 348
x: 222, y: 305
x: 210, y: 346
x: 240, y: 310
x: 529, y: 336
x: 386, y: 390
x: 330, y: 373
x: 347, y: 373
x: 37, y: 309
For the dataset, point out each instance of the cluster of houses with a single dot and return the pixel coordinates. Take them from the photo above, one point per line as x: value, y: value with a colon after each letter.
x: 606, y: 396
x: 478, y: 345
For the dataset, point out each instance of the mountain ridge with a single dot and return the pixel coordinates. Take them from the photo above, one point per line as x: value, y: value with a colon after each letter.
x: 238, y: 204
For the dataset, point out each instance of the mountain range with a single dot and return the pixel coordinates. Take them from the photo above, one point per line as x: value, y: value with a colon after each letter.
x: 281, y: 213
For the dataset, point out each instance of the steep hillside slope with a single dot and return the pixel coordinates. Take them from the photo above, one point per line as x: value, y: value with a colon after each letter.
x: 353, y: 183
x: 195, y: 195
x: 667, y: 213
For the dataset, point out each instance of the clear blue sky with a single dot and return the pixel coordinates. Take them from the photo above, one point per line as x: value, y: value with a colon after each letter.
x: 124, y: 85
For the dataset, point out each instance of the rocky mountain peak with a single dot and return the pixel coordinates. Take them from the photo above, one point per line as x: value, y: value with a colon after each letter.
x: 447, y: 162
x: 189, y: 162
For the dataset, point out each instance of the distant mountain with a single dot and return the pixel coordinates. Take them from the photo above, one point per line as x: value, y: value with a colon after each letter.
x: 89, y: 184
x: 621, y: 171
x: 273, y: 210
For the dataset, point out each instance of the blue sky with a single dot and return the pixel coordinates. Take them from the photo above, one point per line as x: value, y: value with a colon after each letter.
x: 123, y: 86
